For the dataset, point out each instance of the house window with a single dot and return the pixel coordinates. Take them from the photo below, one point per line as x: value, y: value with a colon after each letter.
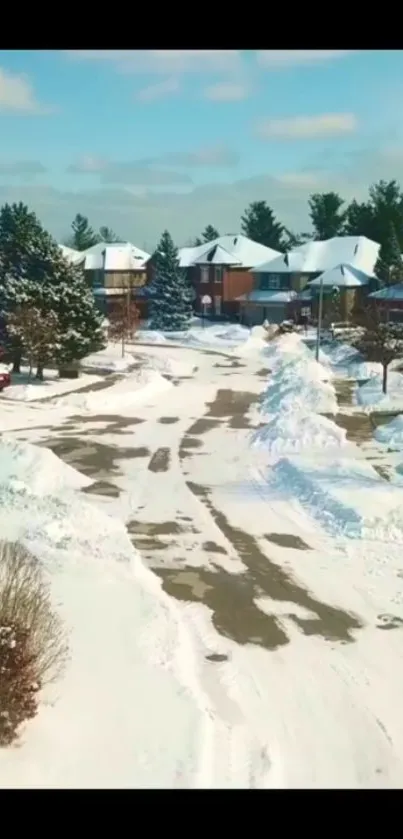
x: 218, y: 274
x: 204, y: 274
x: 217, y: 305
x: 274, y: 281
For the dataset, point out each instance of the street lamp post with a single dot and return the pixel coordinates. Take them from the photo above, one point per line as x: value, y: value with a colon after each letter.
x: 320, y: 315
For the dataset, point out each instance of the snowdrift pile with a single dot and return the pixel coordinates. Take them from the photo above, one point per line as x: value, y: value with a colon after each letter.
x: 287, y: 432
x: 128, y: 711
x: 298, y: 391
x: 370, y: 397
x: 391, y: 434
x: 109, y: 360
x: 348, y: 498
x: 175, y: 367
x: 132, y: 390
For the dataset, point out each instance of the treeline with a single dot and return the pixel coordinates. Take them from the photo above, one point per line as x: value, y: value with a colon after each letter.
x: 48, y: 314
x: 380, y: 218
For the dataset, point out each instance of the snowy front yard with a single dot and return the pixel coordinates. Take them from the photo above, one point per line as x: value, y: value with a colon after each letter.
x: 226, y: 560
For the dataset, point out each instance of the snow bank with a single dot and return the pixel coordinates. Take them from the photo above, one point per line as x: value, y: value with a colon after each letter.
x: 128, y: 712
x: 256, y: 342
x: 42, y: 471
x: 364, y: 370
x: 370, y: 397
x: 172, y: 366
x: 391, y: 433
x: 150, y: 336
x: 285, y: 348
x: 25, y: 391
x: 133, y: 389
x: 287, y: 432
x: 109, y: 360
x: 348, y: 498
x: 302, y: 397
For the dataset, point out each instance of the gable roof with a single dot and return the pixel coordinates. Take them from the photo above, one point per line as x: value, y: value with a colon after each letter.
x: 235, y: 249
x: 117, y: 256
x: 312, y: 257
x: 341, y: 276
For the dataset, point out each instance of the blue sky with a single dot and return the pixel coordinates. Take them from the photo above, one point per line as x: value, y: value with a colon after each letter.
x: 145, y: 140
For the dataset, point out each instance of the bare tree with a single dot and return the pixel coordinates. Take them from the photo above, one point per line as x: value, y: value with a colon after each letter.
x: 124, y: 319
x: 33, y: 643
x: 37, y: 332
x: 377, y: 340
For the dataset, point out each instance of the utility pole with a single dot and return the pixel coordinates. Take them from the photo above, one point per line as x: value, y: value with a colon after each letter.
x: 320, y: 315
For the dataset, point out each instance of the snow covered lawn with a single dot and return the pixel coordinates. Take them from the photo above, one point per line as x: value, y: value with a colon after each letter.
x: 24, y: 389
x: 370, y: 397
x: 109, y: 360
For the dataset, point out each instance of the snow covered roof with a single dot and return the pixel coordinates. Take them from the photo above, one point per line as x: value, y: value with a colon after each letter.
x: 235, y: 249
x: 392, y: 292
x: 73, y: 256
x: 341, y: 276
x: 312, y: 257
x: 258, y: 296
x: 119, y: 256
x: 216, y: 255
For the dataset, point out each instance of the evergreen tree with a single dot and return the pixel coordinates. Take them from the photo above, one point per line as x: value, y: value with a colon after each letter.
x: 33, y: 272
x: 83, y: 235
x: 210, y: 233
x: 326, y: 216
x: 107, y: 235
x: 259, y: 223
x: 389, y: 266
x: 171, y: 303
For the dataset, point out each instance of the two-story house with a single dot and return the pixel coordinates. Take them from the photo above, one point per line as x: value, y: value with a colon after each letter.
x: 289, y: 285
x: 113, y: 271
x: 219, y: 272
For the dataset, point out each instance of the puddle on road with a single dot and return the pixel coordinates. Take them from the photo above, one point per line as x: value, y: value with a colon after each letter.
x: 231, y: 596
x: 160, y: 460
x: 102, y: 488
x: 286, y: 540
x: 216, y: 657
x: 146, y: 535
x: 263, y: 373
x: 111, y: 423
x: 168, y: 420
x: 202, y: 425
x: 213, y: 548
x: 96, y: 460
x: 232, y: 364
x: 389, y: 622
x: 233, y: 406
x: 187, y: 445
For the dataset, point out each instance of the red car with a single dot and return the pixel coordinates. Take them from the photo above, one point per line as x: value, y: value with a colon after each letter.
x: 5, y: 380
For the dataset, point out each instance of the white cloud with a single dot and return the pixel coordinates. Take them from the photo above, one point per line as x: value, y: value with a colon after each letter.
x: 165, y: 62
x: 17, y: 95
x: 159, y: 90
x: 300, y: 180
x: 116, y: 171
x: 307, y: 127
x: 278, y: 59
x: 226, y: 92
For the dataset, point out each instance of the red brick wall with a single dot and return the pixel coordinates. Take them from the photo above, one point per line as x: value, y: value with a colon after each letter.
x: 237, y: 281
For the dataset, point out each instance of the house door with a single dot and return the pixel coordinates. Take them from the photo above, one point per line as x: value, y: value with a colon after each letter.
x: 217, y: 305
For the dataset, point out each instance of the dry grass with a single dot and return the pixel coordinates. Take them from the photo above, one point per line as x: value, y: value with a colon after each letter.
x: 33, y: 648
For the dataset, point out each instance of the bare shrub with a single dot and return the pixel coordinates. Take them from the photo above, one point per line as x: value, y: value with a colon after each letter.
x: 33, y: 648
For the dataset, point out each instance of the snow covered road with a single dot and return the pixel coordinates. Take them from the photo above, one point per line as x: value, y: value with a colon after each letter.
x: 280, y: 624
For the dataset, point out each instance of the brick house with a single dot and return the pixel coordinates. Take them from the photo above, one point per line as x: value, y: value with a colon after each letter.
x: 390, y: 299
x: 289, y: 285
x: 220, y: 270
x: 113, y: 271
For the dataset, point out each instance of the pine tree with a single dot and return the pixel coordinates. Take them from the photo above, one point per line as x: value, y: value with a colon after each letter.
x: 33, y: 272
x: 389, y: 266
x: 210, y: 233
x: 171, y: 303
x: 260, y: 224
x: 83, y: 235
